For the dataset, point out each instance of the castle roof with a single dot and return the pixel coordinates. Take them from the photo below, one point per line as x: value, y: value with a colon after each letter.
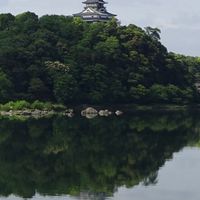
x: 92, y: 11
x: 96, y: 12
x: 94, y: 1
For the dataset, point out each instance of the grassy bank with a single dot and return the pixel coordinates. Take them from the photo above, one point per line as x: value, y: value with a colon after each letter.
x: 49, y: 106
x: 36, y: 105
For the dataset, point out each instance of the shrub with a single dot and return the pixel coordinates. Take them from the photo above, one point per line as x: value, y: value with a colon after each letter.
x: 47, y: 106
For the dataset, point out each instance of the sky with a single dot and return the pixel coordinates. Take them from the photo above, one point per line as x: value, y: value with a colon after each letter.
x: 179, y: 20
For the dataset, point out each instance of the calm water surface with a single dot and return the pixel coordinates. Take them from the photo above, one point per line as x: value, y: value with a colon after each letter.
x: 150, y: 156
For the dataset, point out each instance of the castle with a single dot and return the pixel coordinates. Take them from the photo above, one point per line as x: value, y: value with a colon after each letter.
x: 95, y: 11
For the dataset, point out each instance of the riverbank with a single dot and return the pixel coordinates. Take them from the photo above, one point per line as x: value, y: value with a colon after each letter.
x: 38, y: 109
x: 35, y: 109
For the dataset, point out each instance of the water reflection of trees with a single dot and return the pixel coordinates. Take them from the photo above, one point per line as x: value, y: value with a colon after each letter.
x: 66, y: 156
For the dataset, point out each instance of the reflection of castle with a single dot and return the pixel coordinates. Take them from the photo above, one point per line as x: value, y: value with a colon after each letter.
x: 91, y: 196
x: 95, y: 11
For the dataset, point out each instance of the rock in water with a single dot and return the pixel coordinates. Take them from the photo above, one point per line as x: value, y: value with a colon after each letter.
x: 89, y: 113
x: 118, y: 113
x: 89, y: 110
x: 104, y: 113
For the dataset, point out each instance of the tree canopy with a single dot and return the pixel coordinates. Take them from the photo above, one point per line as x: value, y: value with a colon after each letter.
x: 66, y: 60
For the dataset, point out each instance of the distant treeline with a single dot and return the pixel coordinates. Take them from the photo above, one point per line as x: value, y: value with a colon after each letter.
x: 66, y: 60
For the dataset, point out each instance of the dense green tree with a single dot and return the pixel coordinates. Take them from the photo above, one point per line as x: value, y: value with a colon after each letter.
x: 65, y: 89
x: 6, y: 21
x: 158, y: 93
x: 26, y: 23
x: 6, y: 88
x: 154, y: 33
x: 37, y: 89
x: 105, y: 62
x: 93, y: 83
x: 139, y: 92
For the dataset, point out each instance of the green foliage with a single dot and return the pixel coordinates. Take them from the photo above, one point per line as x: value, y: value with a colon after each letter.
x: 154, y: 33
x: 93, y: 83
x: 107, y: 48
x: 17, y: 105
x: 6, y: 87
x: 37, y: 89
x: 65, y: 89
x: 6, y: 20
x: 139, y: 92
x: 26, y: 22
x: 64, y: 59
x: 41, y: 105
x: 23, y: 105
x: 158, y: 93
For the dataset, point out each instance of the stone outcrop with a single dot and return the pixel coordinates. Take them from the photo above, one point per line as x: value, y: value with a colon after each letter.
x: 36, y: 113
x: 89, y: 113
x: 118, y: 113
x: 92, y: 113
x: 104, y: 113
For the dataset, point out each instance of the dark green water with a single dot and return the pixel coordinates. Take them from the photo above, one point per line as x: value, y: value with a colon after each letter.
x: 142, y: 156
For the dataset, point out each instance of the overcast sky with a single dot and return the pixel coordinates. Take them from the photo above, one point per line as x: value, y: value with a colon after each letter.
x: 179, y: 20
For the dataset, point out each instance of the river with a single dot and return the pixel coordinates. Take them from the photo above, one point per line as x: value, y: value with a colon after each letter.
x: 145, y: 155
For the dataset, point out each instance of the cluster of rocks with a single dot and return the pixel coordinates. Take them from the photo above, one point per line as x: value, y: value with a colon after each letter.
x: 36, y: 113
x: 92, y: 113
x: 88, y: 113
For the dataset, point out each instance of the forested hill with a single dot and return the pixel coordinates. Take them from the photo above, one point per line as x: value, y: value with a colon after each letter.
x: 63, y: 59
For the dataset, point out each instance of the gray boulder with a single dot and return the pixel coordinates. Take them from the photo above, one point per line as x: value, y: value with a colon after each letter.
x: 89, y: 113
x: 104, y: 113
x: 118, y: 113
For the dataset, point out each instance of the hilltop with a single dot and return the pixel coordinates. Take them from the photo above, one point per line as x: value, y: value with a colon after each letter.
x: 66, y: 60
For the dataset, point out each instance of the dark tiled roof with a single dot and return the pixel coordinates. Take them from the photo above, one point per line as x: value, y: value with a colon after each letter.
x: 95, y: 12
x: 93, y: 1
